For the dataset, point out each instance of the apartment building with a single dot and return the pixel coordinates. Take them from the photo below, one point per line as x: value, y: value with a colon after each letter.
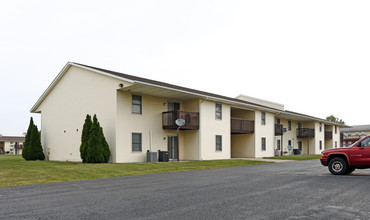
x: 11, y: 144
x: 139, y: 114
x: 352, y: 134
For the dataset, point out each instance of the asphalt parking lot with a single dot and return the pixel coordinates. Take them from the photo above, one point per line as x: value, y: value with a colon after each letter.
x: 291, y: 190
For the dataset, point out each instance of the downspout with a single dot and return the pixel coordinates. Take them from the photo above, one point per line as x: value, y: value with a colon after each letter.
x: 282, y: 142
x: 200, y: 127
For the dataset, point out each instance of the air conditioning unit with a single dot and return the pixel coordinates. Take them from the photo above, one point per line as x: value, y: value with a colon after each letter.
x: 151, y: 157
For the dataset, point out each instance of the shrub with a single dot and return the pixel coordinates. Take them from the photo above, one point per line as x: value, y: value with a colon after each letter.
x: 85, y: 137
x: 96, y: 147
x: 32, y: 149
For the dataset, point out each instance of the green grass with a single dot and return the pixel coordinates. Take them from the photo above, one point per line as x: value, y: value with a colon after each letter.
x: 15, y: 171
x: 296, y: 157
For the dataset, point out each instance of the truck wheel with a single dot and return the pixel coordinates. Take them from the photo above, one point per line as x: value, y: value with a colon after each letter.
x: 338, y: 166
x: 350, y: 170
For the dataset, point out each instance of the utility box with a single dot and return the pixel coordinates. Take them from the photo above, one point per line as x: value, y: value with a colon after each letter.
x: 163, y: 156
x: 296, y: 152
x: 151, y: 157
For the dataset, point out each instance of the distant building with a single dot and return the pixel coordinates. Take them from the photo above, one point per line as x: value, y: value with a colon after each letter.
x: 11, y: 144
x: 353, y: 134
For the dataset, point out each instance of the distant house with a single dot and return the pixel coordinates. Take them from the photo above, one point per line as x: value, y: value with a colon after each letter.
x: 11, y: 144
x: 354, y: 133
x: 139, y: 114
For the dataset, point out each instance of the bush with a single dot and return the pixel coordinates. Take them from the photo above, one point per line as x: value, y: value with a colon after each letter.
x: 94, y: 147
x: 85, y: 137
x: 32, y: 149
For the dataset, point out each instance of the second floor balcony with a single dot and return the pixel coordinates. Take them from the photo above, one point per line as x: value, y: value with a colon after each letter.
x: 278, y: 129
x: 305, y: 133
x: 328, y: 135
x: 242, y: 126
x: 191, y: 120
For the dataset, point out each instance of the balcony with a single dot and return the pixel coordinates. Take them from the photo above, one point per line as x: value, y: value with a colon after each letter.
x: 305, y: 132
x: 191, y: 120
x: 278, y: 129
x: 242, y: 126
x: 328, y: 135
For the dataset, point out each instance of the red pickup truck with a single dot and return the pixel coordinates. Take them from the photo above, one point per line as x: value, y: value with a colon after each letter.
x: 345, y: 160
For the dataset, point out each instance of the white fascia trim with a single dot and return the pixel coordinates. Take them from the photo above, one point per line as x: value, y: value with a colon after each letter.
x: 316, y: 119
x: 50, y: 87
x: 261, y: 100
x: 102, y: 72
x: 207, y: 97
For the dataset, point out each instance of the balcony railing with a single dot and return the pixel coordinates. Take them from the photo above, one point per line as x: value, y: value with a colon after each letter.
x: 305, y: 132
x: 328, y: 135
x: 242, y: 126
x: 191, y: 120
x: 278, y: 129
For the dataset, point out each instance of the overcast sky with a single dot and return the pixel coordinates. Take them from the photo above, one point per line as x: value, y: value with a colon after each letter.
x: 312, y: 56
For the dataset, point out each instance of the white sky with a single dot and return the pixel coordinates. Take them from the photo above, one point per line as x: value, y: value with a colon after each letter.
x: 312, y: 56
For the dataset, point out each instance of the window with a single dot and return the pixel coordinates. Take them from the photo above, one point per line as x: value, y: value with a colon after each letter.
x: 218, y: 143
x: 278, y: 144
x: 219, y: 111
x: 263, y: 118
x: 335, y: 129
x: 336, y: 144
x: 289, y: 125
x: 136, y: 142
x: 278, y: 120
x: 263, y: 144
x: 320, y: 129
x: 320, y: 145
x: 136, y: 104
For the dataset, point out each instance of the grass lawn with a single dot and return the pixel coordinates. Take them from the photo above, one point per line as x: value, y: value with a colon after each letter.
x: 296, y: 157
x: 15, y: 171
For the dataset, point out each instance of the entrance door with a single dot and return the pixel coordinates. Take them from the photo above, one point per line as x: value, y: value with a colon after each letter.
x: 172, y: 147
x: 300, y: 147
x: 173, y: 106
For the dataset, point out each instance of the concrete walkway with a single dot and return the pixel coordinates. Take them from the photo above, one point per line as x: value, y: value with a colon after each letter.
x: 267, y: 160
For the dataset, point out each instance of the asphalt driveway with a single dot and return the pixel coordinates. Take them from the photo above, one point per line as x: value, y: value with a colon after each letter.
x: 292, y: 190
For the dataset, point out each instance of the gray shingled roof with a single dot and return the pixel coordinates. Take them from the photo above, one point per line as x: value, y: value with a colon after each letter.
x: 356, y: 128
x: 11, y: 138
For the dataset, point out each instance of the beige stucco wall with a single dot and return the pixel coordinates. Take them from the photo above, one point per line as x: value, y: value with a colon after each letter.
x: 79, y: 92
x: 9, y: 147
x: 336, y: 137
x: 319, y: 136
x: 210, y: 127
x: 151, y: 121
x: 243, y: 145
x: 288, y: 135
x: 267, y: 131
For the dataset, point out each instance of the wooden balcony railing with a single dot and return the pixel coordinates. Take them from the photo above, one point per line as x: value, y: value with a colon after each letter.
x: 242, y: 126
x: 305, y: 132
x: 278, y: 129
x: 191, y: 120
x: 328, y: 135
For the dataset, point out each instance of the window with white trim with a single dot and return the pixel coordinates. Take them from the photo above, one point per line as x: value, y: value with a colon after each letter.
x: 136, y: 142
x: 263, y: 118
x: 218, y: 142
x: 263, y: 144
x: 218, y: 111
x: 136, y: 104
